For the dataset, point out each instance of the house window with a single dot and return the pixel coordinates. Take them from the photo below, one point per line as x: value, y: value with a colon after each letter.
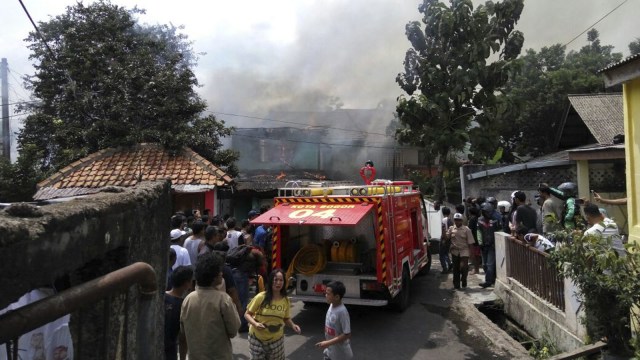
x: 399, y: 159
x: 423, y: 157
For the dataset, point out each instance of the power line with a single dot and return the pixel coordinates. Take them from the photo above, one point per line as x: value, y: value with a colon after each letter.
x: 301, y: 124
x: 595, y: 23
x: 13, y: 71
x: 23, y: 102
x: 18, y: 96
x: 37, y: 30
x: 17, y: 82
x: 321, y: 143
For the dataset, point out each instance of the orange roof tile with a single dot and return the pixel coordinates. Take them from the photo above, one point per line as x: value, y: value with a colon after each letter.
x: 124, y: 166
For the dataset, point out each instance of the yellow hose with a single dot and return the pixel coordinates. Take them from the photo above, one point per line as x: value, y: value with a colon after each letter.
x: 343, y: 251
x: 308, y: 261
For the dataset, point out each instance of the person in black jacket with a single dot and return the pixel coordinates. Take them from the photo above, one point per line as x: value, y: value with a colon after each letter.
x: 488, y: 224
x: 525, y: 214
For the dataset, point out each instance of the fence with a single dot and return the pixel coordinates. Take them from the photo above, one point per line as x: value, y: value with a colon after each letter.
x: 531, y: 268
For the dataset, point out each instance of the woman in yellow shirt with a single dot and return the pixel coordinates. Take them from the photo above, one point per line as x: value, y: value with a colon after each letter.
x: 267, y: 314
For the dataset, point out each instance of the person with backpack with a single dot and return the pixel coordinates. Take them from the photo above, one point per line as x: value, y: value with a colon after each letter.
x: 245, y: 261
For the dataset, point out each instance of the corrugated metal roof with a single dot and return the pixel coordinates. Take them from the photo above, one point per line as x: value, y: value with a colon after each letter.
x: 601, y: 113
x: 620, y: 63
x: 598, y: 147
x: 47, y: 193
x: 192, y: 188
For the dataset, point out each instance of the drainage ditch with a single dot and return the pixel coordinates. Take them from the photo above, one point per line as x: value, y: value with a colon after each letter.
x: 494, y: 311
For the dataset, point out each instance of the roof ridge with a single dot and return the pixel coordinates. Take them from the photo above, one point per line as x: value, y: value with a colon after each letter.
x: 135, y: 157
x: 598, y: 93
x: 200, y: 160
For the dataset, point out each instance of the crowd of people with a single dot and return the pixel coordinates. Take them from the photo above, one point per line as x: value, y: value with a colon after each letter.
x: 553, y: 218
x: 213, y: 261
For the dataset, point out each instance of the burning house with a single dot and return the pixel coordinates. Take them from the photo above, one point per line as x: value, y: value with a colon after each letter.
x: 315, y: 146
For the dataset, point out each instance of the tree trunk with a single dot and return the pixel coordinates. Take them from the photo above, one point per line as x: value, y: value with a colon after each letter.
x: 439, y: 190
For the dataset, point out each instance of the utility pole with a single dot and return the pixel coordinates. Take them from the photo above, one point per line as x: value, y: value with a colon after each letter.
x: 6, y: 135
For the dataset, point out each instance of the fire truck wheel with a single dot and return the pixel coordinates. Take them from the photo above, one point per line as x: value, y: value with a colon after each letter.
x: 403, y: 299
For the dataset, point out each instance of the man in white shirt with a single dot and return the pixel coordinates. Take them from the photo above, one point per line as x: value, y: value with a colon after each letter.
x: 599, y: 224
x: 603, y: 226
x: 234, y: 236
x: 539, y: 242
x: 182, y: 255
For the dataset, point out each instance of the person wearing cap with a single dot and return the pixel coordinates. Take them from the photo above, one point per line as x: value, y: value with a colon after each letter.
x: 532, y: 239
x: 253, y: 214
x: 182, y: 255
x: 461, y: 238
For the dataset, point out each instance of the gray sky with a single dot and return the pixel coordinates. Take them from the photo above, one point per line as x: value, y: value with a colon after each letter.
x: 287, y: 54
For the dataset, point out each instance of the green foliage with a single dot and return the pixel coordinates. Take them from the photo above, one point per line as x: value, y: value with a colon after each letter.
x: 608, y: 284
x: 114, y: 82
x: 447, y: 76
x: 543, y: 348
x: 634, y: 46
x: 18, y: 181
x: 534, y: 100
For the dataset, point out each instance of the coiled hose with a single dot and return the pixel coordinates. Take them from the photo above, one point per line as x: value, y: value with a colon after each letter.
x: 308, y: 261
x: 344, y: 251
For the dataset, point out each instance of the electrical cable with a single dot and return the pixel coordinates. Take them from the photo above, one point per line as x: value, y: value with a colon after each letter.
x: 301, y: 124
x: 329, y: 144
x: 22, y: 102
x: 595, y: 23
x: 22, y: 89
x: 37, y: 30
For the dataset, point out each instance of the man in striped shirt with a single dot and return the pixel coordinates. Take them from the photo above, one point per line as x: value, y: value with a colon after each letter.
x: 599, y: 224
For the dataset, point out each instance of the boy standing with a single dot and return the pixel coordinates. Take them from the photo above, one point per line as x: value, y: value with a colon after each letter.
x: 337, y: 326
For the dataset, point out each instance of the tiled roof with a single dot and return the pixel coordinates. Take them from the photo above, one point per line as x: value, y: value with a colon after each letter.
x: 601, y: 113
x: 129, y: 166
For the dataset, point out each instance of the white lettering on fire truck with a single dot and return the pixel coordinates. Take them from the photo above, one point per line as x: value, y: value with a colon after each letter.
x: 303, y: 213
x: 337, y: 206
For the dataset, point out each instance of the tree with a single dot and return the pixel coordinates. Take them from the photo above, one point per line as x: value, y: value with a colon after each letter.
x: 634, y: 46
x: 18, y: 181
x: 448, y: 77
x: 535, y: 98
x: 107, y: 81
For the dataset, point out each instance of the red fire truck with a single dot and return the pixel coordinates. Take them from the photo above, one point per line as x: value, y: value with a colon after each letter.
x: 373, y: 238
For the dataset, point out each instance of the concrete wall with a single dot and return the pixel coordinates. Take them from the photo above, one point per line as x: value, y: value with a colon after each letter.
x: 79, y: 240
x: 538, y: 317
x: 501, y: 186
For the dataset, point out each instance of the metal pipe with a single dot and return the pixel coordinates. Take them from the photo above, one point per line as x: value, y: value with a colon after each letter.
x: 27, y: 318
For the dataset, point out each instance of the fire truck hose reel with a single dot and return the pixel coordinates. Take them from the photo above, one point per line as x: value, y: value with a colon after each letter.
x: 344, y: 251
x: 308, y: 261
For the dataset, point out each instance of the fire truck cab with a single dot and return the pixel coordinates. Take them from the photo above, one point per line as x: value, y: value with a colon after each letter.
x: 371, y: 237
